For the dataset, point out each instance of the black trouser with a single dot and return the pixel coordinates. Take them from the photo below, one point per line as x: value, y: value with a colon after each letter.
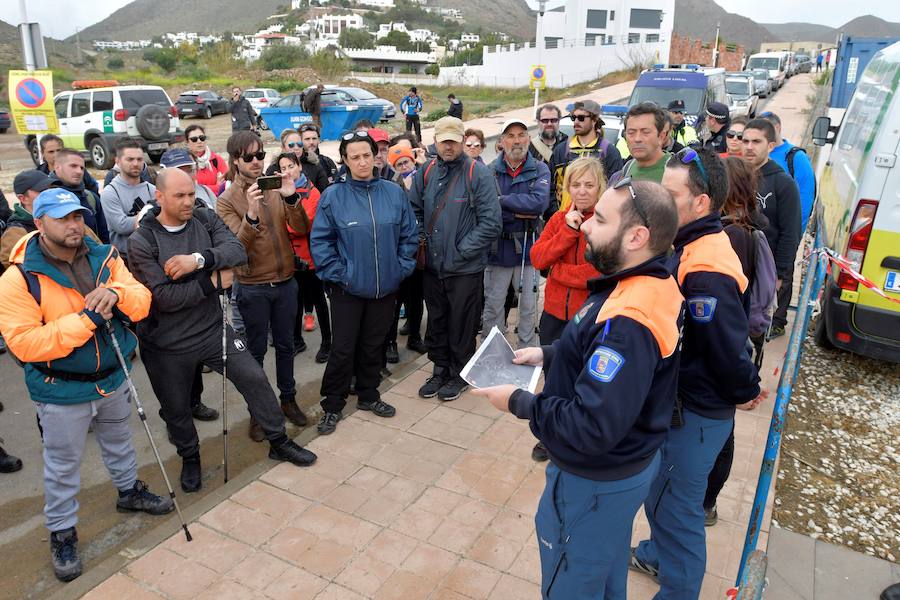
x: 412, y: 295
x: 311, y: 295
x: 779, y: 319
x: 272, y: 306
x: 551, y: 328
x: 720, y: 472
x: 360, y: 328
x: 454, y: 307
x: 171, y: 376
x: 412, y: 121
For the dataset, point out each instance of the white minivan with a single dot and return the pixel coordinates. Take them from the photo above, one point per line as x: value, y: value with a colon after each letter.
x: 773, y: 62
x: 858, y: 209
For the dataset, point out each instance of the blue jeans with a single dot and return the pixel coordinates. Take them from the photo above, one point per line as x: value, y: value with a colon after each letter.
x: 272, y: 306
x: 674, y: 506
x: 584, y: 533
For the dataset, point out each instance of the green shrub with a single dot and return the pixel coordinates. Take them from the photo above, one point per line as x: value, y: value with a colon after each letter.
x: 328, y: 65
x: 282, y: 57
x: 434, y: 69
x: 115, y: 62
x: 435, y: 114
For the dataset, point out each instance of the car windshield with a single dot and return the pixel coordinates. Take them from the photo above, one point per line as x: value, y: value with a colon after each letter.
x: 764, y: 62
x: 761, y: 75
x: 132, y: 100
x: 663, y: 95
x: 737, y: 87
x: 361, y: 94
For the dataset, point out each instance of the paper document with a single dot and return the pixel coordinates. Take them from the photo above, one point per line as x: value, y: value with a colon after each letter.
x: 493, y: 365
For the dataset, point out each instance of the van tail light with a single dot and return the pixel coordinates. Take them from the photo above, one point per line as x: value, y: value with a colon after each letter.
x: 121, y: 114
x: 860, y: 232
x: 173, y: 111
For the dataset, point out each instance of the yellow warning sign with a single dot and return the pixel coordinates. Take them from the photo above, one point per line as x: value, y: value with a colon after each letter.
x: 31, y: 102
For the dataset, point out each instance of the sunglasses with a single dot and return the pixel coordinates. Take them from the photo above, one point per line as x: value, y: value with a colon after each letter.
x: 625, y: 182
x: 294, y: 144
x: 308, y: 127
x: 688, y: 156
x: 549, y: 121
x: 473, y: 145
x: 731, y: 134
x: 580, y: 118
x: 199, y: 138
x: 356, y: 135
x: 260, y: 155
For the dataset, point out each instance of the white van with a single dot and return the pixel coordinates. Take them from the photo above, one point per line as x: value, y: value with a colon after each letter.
x: 858, y: 208
x: 773, y: 62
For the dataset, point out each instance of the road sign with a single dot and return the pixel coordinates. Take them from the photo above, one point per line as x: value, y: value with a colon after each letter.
x: 538, y: 77
x: 31, y: 102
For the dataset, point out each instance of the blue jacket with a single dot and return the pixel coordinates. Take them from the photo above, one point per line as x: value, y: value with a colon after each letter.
x: 716, y: 369
x: 364, y: 237
x: 611, y: 377
x: 803, y: 175
x: 411, y: 105
x: 525, y: 194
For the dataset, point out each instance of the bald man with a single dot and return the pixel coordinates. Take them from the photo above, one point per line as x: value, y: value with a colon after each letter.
x: 185, y: 256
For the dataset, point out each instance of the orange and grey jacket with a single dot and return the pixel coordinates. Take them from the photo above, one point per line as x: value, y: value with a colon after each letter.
x: 67, y: 355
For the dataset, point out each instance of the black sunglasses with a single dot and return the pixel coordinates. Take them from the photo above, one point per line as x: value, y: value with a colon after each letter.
x: 260, y: 155
x: 731, y: 134
x: 294, y: 144
x: 580, y: 118
x: 625, y: 182
x: 688, y: 156
x: 199, y: 138
x: 548, y: 121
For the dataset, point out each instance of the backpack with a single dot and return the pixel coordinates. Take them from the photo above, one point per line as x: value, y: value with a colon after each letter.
x: 790, y: 165
x: 470, y: 203
x: 763, y: 282
x: 200, y: 213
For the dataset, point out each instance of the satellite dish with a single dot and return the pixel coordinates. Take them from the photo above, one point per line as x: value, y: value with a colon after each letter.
x: 536, y: 5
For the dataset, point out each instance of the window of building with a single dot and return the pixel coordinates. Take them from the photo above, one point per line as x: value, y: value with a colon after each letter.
x: 552, y: 42
x: 643, y: 18
x: 612, y: 15
x: 596, y: 19
x: 634, y: 38
x: 652, y: 37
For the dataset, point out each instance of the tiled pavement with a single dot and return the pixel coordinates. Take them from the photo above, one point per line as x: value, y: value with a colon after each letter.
x: 437, y: 502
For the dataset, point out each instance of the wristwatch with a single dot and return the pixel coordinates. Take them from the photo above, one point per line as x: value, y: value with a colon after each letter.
x: 201, y: 262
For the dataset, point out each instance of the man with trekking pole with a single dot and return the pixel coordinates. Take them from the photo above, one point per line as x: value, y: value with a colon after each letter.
x: 185, y: 256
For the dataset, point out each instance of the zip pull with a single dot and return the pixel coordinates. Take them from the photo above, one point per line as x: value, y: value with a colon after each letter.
x: 605, y: 331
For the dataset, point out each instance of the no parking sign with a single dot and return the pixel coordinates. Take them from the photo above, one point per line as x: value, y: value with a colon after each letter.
x: 538, y: 77
x: 31, y: 102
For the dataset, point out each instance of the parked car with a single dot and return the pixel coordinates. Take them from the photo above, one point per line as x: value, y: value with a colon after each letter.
x: 773, y: 62
x: 261, y: 97
x: 5, y: 120
x: 804, y: 63
x: 201, y: 103
x: 742, y: 98
x: 96, y: 113
x: 764, y: 84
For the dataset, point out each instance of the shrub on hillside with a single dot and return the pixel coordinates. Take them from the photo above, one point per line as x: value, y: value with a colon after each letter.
x: 115, y: 62
x: 282, y: 57
x: 434, y: 115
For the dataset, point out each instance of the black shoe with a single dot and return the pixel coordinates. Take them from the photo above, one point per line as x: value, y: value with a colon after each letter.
x: 328, y: 423
x: 452, y: 389
x: 710, y: 516
x: 141, y: 499
x: 64, y: 554
x: 292, y: 453
x: 9, y: 464
x: 391, y: 353
x: 299, y: 346
x: 378, y: 407
x: 202, y: 412
x: 293, y: 413
x: 432, y: 385
x: 191, y: 477
x: 255, y: 432
x: 417, y: 345
x: 323, y: 353
x: 404, y: 329
x: 384, y: 373
x: 539, y: 453
x: 636, y: 564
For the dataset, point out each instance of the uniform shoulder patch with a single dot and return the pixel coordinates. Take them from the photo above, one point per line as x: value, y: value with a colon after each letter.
x: 605, y: 364
x: 702, y: 308
x: 581, y: 313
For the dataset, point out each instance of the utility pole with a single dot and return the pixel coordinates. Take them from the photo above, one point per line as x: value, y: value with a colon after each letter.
x: 539, y: 42
x: 25, y: 31
x: 715, y: 55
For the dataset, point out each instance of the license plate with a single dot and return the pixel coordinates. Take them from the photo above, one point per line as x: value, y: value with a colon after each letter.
x: 158, y: 146
x: 892, y: 283
x: 187, y: 110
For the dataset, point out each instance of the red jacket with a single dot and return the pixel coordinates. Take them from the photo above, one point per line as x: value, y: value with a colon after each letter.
x: 561, y: 249
x: 208, y: 176
x: 309, y: 198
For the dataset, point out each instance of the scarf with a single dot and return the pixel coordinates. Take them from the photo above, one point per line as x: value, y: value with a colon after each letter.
x: 203, y: 161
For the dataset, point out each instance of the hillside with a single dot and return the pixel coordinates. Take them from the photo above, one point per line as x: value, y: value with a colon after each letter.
x: 698, y: 18
x: 870, y: 26
x: 509, y: 16
x: 865, y: 26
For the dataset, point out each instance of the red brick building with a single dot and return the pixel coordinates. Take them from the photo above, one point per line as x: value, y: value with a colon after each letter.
x: 684, y: 50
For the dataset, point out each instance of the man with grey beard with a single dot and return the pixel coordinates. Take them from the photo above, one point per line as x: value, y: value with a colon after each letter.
x: 549, y: 136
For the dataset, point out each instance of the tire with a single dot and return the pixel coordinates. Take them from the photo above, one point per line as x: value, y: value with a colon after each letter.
x: 820, y: 334
x: 263, y: 126
x: 152, y: 121
x: 33, y: 151
x: 208, y: 113
x: 101, y: 157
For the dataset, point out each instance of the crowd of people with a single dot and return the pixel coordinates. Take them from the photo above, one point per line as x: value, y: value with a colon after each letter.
x: 659, y: 258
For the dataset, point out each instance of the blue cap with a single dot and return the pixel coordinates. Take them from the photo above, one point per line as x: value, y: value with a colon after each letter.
x: 56, y: 203
x: 176, y: 157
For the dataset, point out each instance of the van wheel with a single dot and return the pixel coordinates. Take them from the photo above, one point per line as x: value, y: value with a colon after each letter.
x: 33, y: 150
x: 820, y: 334
x: 101, y: 157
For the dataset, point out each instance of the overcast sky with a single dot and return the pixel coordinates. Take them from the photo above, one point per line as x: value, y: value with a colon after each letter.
x: 83, y: 13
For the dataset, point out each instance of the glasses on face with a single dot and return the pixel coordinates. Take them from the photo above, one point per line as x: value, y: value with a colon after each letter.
x: 731, y: 134
x: 260, y: 156
x: 549, y: 121
x: 580, y: 118
x: 688, y: 156
x: 308, y: 127
x: 199, y: 138
x: 356, y: 135
x: 294, y: 144
x: 626, y: 182
x: 473, y: 144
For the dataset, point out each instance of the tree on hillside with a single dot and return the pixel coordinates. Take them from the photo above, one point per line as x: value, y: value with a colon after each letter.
x: 356, y: 38
x: 399, y: 39
x: 282, y: 57
x: 165, y: 58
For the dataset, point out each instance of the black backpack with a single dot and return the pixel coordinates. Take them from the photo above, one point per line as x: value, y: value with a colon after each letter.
x: 790, y: 165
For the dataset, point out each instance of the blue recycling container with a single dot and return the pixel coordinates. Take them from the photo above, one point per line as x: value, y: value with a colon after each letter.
x: 335, y: 119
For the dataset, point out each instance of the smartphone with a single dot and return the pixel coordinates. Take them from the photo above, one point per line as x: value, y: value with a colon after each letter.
x: 271, y: 182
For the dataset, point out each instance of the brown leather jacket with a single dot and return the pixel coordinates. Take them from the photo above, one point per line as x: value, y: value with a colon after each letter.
x: 271, y: 256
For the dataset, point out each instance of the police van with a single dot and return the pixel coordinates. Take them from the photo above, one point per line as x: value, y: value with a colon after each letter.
x: 858, y: 207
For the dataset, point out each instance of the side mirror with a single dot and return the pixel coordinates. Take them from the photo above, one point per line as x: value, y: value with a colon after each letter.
x: 820, y: 132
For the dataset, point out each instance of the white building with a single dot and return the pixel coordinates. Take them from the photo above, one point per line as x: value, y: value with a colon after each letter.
x: 470, y: 38
x: 452, y: 13
x: 377, y: 3
x: 596, y: 22
x: 385, y: 28
x: 331, y: 26
x: 254, y: 46
x: 423, y: 35
x: 387, y: 59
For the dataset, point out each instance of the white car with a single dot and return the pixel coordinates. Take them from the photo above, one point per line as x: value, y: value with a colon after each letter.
x: 261, y: 97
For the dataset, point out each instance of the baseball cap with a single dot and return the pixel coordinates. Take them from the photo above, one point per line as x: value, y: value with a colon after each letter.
x: 717, y: 110
x: 176, y: 157
x: 512, y: 122
x: 397, y: 152
x: 449, y: 129
x: 56, y: 203
x: 32, y: 179
x: 379, y: 135
x: 588, y: 105
x: 676, y: 106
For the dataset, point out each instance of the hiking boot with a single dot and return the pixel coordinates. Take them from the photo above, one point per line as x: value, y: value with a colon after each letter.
x: 299, y: 346
x: 64, y: 554
x: 309, y: 322
x: 205, y: 369
x: 191, y: 477
x: 636, y: 564
x: 378, y: 407
x: 391, y: 354
x: 432, y: 385
x: 417, y: 345
x: 292, y: 453
x: 140, y: 499
x: 452, y: 389
x: 539, y: 453
x: 255, y: 431
x: 323, y: 353
x: 202, y: 412
x: 328, y: 423
x: 776, y: 332
x: 293, y: 413
x: 9, y: 464
x: 710, y: 516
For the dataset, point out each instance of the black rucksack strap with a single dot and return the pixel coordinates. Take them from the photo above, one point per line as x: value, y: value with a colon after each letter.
x: 31, y: 280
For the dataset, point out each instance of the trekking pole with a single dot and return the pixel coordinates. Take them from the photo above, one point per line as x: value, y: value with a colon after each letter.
x: 522, y: 268
x: 143, y: 416
x: 224, y: 302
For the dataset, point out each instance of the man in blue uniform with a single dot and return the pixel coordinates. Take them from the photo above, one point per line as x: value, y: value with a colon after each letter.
x: 608, y: 397
x: 716, y: 374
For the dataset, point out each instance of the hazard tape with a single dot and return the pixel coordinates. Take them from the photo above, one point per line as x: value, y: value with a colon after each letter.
x: 843, y: 264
